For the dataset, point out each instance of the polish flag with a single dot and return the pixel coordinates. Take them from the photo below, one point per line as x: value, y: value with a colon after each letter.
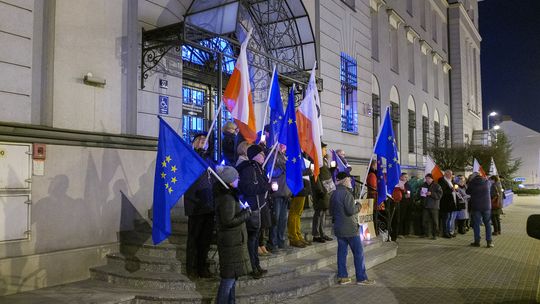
x: 308, y: 120
x: 493, y: 168
x: 237, y: 96
x: 432, y: 168
x: 478, y: 168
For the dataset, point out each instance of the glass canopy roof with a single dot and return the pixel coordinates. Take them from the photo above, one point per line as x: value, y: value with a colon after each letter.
x: 281, y: 28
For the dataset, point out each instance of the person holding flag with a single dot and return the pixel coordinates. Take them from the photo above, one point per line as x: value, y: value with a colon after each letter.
x: 385, y: 147
x: 177, y: 168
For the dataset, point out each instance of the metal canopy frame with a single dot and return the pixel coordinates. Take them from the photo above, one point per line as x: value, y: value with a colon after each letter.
x: 276, y: 40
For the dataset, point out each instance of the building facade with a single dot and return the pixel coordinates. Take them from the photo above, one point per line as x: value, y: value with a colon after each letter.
x: 80, y: 98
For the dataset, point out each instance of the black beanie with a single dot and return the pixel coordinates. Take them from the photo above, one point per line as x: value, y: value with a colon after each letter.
x: 253, y: 150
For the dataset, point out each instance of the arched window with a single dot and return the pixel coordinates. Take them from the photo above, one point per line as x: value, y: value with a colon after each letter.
x: 394, y: 113
x: 411, y: 124
x: 376, y: 105
x: 446, y: 132
x: 436, y: 128
x: 425, y: 128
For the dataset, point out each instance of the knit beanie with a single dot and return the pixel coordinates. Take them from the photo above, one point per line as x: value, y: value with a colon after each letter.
x: 228, y: 174
x: 252, y: 151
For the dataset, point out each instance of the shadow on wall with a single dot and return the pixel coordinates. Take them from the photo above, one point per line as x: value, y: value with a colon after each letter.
x: 134, y: 230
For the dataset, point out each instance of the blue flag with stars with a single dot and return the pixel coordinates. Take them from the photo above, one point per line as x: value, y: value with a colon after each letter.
x: 289, y: 137
x: 386, y: 147
x: 381, y: 182
x: 177, y: 167
x: 276, y: 110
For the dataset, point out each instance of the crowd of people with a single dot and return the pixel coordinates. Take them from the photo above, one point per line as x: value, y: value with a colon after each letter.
x: 254, y: 213
x: 442, y: 208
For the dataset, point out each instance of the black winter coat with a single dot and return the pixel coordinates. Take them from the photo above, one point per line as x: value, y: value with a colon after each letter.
x: 448, y: 203
x: 228, y: 148
x: 198, y: 199
x: 232, y: 234
x: 253, y: 184
x: 321, y: 195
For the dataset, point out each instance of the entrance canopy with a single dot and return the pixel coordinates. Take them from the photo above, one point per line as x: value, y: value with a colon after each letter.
x: 281, y: 35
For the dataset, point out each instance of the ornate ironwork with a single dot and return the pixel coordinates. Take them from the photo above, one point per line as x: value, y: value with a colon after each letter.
x: 272, y: 43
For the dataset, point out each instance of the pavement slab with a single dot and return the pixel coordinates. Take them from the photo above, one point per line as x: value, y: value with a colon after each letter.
x: 451, y: 271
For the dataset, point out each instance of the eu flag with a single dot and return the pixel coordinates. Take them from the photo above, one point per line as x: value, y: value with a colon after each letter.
x: 381, y: 182
x: 276, y: 110
x: 289, y: 136
x: 386, y: 147
x: 177, y: 167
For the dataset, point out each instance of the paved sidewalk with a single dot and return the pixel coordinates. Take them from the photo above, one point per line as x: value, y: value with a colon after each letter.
x: 450, y: 271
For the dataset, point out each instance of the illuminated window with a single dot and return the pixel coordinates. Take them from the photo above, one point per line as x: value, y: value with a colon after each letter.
x: 349, y: 114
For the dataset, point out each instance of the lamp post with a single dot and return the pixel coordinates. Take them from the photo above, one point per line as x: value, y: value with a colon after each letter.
x: 492, y: 114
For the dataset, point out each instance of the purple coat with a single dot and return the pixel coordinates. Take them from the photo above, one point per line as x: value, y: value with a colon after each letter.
x: 478, y: 189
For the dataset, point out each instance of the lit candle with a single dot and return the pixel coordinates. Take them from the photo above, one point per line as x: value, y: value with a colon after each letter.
x: 312, y: 167
x: 368, y: 236
x: 263, y: 138
x: 275, y: 186
x: 333, y: 164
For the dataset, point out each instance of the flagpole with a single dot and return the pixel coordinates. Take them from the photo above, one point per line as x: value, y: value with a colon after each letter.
x: 268, y: 100
x: 205, y: 146
x: 271, y: 151
x: 371, y: 158
x: 273, y: 165
x: 218, y: 178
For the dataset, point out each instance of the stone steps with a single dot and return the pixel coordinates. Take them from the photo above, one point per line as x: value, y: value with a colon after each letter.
x: 314, y: 273
x: 144, y: 263
x: 141, y: 279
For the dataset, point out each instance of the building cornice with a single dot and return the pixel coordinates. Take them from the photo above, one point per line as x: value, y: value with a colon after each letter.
x: 377, y: 4
x: 425, y: 47
x: 446, y: 67
x: 436, y: 57
x: 468, y: 21
x: 438, y: 9
x: 394, y: 18
x: 411, y: 34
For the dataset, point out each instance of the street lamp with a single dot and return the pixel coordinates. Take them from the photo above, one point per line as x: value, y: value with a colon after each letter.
x: 496, y: 127
x: 492, y: 114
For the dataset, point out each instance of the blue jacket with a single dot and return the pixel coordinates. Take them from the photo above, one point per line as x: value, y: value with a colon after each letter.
x: 478, y: 189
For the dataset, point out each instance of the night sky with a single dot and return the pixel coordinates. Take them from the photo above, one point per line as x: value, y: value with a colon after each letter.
x: 510, y: 58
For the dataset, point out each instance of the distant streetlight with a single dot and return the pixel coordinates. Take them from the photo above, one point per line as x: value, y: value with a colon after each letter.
x: 492, y: 114
x: 496, y: 127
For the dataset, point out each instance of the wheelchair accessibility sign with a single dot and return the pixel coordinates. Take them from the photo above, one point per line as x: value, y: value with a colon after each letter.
x: 163, y: 104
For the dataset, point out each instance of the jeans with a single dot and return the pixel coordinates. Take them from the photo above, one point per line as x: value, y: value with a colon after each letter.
x: 358, y: 253
x: 318, y: 223
x: 449, y: 222
x: 293, y: 223
x: 431, y: 221
x: 226, y: 294
x: 278, y: 230
x: 485, y: 217
x: 496, y: 220
x: 253, y: 246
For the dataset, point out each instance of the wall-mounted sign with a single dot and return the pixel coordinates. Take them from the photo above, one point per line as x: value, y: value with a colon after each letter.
x: 519, y: 179
x: 163, y: 104
x: 163, y: 83
x: 192, y: 110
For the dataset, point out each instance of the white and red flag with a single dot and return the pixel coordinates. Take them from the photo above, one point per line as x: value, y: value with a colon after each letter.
x: 238, y: 98
x: 308, y: 120
x: 433, y: 169
x: 478, y: 168
x: 493, y: 168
